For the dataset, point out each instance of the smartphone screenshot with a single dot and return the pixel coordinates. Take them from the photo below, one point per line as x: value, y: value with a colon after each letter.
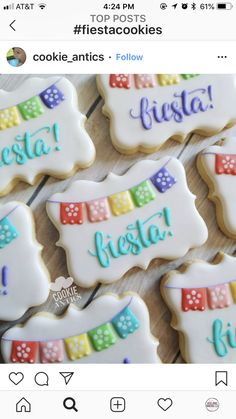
x: 117, y: 209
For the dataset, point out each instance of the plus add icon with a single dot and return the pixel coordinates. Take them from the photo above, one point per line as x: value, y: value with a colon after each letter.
x: 117, y: 404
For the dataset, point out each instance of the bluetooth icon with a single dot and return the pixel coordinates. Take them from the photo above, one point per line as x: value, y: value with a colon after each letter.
x: 193, y: 6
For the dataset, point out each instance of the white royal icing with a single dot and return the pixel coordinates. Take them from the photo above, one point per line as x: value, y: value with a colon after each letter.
x: 74, y: 148
x: 207, y: 336
x: 27, y: 280
x: 186, y: 229
x: 189, y: 105
x: 138, y: 347
x: 222, y: 186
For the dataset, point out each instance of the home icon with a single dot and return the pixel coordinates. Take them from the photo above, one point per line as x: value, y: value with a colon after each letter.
x: 23, y: 406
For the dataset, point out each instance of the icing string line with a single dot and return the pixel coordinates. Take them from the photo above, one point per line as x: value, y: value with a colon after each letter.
x: 98, y: 198
x: 9, y: 213
x: 17, y: 104
x: 192, y: 286
x: 81, y: 333
x: 214, y: 154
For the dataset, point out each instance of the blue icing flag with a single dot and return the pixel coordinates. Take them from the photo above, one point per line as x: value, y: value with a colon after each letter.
x: 125, y: 323
x: 52, y: 96
x: 7, y: 232
x: 163, y: 180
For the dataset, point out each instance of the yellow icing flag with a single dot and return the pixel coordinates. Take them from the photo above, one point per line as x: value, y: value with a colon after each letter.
x: 121, y: 203
x: 233, y: 290
x: 9, y: 118
x: 77, y: 347
x: 167, y: 79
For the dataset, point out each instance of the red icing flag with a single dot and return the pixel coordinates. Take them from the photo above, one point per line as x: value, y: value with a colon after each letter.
x: 194, y: 299
x: 120, y: 80
x: 225, y: 164
x: 24, y: 352
x: 71, y: 213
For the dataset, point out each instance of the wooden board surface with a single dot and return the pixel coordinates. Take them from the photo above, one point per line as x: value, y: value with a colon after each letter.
x: 145, y: 283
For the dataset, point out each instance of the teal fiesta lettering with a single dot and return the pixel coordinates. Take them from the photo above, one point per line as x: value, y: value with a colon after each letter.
x: 134, y: 241
x: 185, y: 104
x: 30, y: 146
x: 223, y: 338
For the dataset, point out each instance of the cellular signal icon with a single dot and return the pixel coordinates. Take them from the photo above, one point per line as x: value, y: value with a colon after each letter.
x: 9, y: 7
x: 42, y: 6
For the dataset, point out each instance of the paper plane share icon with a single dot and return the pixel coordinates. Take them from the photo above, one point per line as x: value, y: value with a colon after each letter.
x: 67, y: 376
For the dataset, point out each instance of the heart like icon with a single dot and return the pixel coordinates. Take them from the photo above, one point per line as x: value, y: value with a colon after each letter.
x: 16, y: 377
x: 164, y: 404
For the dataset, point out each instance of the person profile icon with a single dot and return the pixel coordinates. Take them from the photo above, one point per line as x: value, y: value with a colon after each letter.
x: 16, y: 57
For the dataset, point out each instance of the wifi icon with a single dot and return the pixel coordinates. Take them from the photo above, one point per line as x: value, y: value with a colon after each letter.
x: 42, y: 6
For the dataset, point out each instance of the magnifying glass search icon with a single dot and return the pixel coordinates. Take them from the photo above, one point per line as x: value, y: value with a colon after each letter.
x: 70, y: 404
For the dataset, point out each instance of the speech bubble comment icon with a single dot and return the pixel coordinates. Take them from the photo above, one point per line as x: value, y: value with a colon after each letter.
x: 41, y: 379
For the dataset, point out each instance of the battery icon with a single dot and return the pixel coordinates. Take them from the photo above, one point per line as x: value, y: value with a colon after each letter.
x: 224, y: 6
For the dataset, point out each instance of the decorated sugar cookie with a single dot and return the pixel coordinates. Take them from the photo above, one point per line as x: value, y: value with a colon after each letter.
x: 41, y: 132
x: 217, y: 166
x: 24, y: 280
x: 109, y: 330
x: 202, y: 299
x: 145, y: 110
x: 109, y: 227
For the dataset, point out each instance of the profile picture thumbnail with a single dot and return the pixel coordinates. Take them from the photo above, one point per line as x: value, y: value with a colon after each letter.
x: 16, y: 57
